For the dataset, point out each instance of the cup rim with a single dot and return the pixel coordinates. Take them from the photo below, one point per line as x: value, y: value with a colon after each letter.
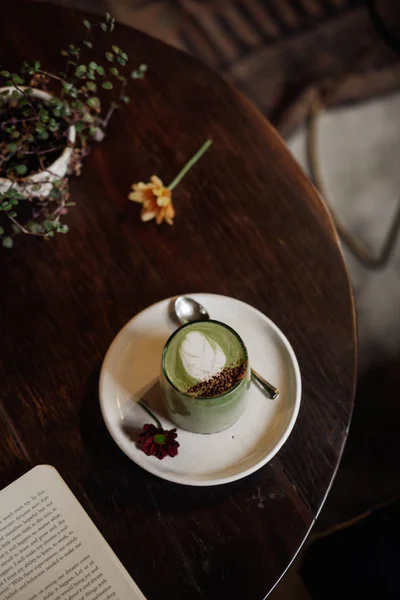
x: 187, y: 325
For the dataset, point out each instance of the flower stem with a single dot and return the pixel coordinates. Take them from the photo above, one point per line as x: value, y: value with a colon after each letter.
x: 190, y: 164
x: 153, y: 416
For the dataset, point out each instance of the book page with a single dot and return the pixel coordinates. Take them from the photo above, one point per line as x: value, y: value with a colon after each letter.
x: 51, y: 550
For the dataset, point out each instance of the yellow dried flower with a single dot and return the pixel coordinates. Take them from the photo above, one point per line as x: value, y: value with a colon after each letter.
x: 156, y: 200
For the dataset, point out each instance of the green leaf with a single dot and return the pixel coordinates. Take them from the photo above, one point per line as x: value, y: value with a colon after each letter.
x: 110, y: 56
x: 73, y: 49
x: 62, y: 228
x: 73, y: 92
x: 63, y: 53
x: 114, y: 71
x: 103, y: 26
x: 91, y: 75
x: 13, y: 194
x: 1, y: 230
x: 88, y: 44
x: 55, y: 101
x: 100, y: 70
x: 81, y: 70
x: 139, y: 73
x: 55, y: 193
x: 44, y: 115
x: 34, y: 227
x: 116, y: 49
x: 91, y: 86
x: 125, y: 99
x: 92, y: 65
x: 87, y: 24
x: 108, y: 16
x: 17, y: 79
x: 93, y: 102
x: 107, y: 85
x: 70, y: 89
x: 53, y: 125
x: 121, y: 60
x: 7, y: 242
x: 27, y: 69
x: 65, y: 110
x: 13, y: 147
x: 48, y: 225
x: 15, y: 134
x: 5, y: 73
x: 79, y: 126
x: 21, y: 169
x: 123, y: 55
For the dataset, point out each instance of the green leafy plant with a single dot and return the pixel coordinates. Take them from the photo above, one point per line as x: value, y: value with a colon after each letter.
x: 34, y: 131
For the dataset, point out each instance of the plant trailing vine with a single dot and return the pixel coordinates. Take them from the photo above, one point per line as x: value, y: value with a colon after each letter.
x: 36, y: 129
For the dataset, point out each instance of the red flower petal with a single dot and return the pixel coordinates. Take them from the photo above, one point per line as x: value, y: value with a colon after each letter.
x: 147, y: 443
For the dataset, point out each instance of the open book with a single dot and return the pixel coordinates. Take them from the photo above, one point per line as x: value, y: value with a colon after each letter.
x: 51, y: 550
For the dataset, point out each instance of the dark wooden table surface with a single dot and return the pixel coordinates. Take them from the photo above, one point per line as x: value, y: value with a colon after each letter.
x: 249, y: 224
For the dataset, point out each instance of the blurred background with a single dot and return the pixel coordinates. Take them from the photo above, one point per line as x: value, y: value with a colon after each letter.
x: 327, y: 75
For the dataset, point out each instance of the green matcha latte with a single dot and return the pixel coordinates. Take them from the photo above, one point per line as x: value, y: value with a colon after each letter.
x: 205, y: 375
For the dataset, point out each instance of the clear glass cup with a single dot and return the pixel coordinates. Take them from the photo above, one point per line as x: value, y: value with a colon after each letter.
x: 205, y: 415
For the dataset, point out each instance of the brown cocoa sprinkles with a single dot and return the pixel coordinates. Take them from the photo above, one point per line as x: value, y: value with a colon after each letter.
x: 224, y: 381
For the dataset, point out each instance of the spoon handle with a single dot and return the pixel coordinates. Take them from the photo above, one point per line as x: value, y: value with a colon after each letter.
x: 270, y: 389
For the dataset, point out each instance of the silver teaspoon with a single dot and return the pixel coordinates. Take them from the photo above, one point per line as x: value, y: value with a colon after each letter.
x: 186, y: 310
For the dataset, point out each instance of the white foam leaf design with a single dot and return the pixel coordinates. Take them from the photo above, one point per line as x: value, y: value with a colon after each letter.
x: 200, y: 360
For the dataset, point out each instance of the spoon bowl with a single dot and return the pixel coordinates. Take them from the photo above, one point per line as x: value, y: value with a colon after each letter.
x: 187, y: 310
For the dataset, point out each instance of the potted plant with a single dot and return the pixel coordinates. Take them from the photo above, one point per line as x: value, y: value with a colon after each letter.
x: 47, y: 120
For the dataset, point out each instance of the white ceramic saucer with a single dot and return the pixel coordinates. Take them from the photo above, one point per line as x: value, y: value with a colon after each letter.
x: 130, y: 371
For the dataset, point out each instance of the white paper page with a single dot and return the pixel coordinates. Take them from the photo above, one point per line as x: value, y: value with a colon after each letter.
x: 51, y: 550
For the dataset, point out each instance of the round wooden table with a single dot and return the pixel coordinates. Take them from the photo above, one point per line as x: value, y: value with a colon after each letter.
x: 249, y: 224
